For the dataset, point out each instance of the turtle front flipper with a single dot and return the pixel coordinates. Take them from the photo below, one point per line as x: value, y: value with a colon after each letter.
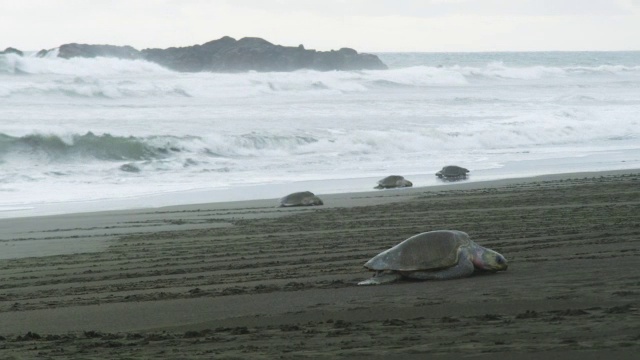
x: 463, y: 268
x: 381, y: 277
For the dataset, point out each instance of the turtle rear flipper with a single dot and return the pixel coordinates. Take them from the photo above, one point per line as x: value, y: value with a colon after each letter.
x: 382, y: 277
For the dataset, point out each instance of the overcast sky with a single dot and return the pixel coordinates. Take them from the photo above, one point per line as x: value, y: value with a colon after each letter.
x: 365, y: 25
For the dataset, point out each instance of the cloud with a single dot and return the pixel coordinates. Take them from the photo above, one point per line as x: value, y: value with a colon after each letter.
x: 441, y: 8
x: 366, y: 25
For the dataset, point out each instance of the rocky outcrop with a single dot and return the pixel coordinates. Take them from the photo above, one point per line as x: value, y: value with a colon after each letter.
x: 68, y: 51
x: 229, y: 55
x: 11, y: 50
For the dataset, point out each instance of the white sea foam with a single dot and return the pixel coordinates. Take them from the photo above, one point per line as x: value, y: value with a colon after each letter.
x: 100, y: 66
x: 88, y: 129
x: 499, y: 70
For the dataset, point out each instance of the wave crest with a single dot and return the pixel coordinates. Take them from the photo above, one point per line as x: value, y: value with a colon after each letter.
x: 99, y: 66
x: 89, y: 145
x: 110, y: 78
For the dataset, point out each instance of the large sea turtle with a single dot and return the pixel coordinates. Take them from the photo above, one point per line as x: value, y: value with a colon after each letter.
x: 304, y: 198
x: 433, y: 255
x: 393, y: 181
x: 452, y: 172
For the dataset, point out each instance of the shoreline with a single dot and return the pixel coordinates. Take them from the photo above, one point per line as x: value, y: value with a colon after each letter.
x: 31, y: 230
x: 248, y: 279
x: 327, y: 187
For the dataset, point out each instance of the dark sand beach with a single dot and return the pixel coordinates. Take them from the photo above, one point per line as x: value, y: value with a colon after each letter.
x: 250, y: 280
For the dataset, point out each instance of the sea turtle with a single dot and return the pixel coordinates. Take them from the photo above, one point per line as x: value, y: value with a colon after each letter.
x: 393, y: 181
x: 433, y: 255
x: 452, y: 172
x: 304, y: 198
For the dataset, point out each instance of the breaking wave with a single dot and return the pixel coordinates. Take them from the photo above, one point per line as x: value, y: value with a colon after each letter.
x: 107, y: 147
x: 111, y: 78
x: 83, y: 87
x: 539, y: 129
x: 89, y: 145
x: 99, y: 66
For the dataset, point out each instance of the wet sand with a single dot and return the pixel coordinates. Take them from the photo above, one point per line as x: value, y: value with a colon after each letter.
x: 249, y: 280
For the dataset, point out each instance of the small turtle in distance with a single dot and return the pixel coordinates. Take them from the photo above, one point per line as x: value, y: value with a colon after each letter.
x: 393, y: 181
x: 303, y: 198
x: 452, y: 173
x: 433, y: 255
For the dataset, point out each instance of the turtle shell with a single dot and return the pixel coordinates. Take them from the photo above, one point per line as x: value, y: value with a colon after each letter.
x: 300, y: 198
x: 394, y: 181
x: 453, y: 170
x: 425, y: 251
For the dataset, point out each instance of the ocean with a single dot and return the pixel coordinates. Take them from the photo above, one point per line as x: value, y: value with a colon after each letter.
x: 105, y: 134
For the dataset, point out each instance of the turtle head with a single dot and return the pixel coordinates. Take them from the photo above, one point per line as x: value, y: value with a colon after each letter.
x: 489, y: 260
